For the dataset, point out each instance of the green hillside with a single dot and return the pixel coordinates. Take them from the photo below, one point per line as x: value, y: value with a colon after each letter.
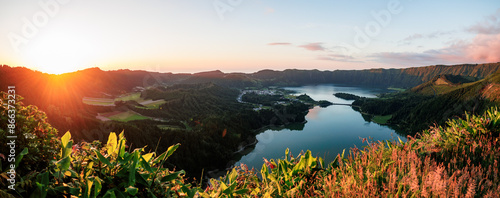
x: 443, y: 84
x: 458, y: 160
x: 434, y: 102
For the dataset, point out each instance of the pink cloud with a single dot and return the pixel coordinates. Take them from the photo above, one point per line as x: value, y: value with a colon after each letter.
x: 490, y: 25
x: 338, y: 57
x: 484, y: 48
x: 313, y: 47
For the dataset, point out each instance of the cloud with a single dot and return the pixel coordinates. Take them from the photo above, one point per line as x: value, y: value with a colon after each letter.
x: 483, y: 48
x: 338, y: 57
x: 490, y: 25
x: 413, y: 37
x: 436, y: 34
x: 279, y: 44
x: 313, y: 47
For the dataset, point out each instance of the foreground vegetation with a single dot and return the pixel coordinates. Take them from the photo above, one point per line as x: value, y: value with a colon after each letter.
x: 459, y: 160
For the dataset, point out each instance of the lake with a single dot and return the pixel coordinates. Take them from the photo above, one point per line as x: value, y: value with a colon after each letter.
x: 328, y: 131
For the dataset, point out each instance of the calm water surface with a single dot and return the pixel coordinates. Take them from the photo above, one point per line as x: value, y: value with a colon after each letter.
x: 327, y: 132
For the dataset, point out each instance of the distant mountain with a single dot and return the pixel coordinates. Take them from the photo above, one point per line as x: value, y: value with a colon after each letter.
x: 402, y: 78
x: 435, y: 101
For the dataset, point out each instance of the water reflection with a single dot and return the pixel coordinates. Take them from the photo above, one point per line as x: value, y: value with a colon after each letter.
x: 328, y: 131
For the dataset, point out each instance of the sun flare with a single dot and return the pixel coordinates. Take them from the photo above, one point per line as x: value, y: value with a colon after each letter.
x: 59, y: 53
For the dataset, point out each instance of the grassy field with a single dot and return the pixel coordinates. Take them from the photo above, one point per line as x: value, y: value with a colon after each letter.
x: 155, y: 104
x: 132, y: 96
x: 98, y: 101
x: 381, y: 119
x: 396, y: 89
x: 127, y: 116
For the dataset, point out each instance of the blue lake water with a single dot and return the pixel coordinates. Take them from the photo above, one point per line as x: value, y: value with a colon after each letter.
x: 328, y: 131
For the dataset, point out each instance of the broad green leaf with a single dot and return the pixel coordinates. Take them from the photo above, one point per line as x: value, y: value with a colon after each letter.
x: 63, y: 164
x: 121, y: 136
x: 142, y: 178
x: 264, y: 172
x: 122, y: 141
x: 88, y: 187
x: 172, y: 176
x: 110, y: 194
x: 131, y: 190
x: 147, y: 157
x: 145, y: 164
x: 232, y: 176
x: 167, y: 153
x: 20, y: 156
x: 65, y: 139
x: 102, y: 158
x: 111, y: 145
x: 98, y: 186
x: 223, y: 186
x: 132, y: 169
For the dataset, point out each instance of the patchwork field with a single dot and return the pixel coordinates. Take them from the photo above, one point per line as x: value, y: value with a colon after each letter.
x: 124, y: 116
x: 98, y: 101
x: 132, y: 96
x: 150, y: 104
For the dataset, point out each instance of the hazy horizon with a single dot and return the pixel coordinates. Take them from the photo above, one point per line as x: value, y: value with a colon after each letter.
x: 60, y: 36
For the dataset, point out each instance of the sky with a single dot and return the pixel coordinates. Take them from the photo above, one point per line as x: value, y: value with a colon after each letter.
x: 57, y: 36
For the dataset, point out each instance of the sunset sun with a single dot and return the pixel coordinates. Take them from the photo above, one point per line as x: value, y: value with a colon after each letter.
x: 59, y: 52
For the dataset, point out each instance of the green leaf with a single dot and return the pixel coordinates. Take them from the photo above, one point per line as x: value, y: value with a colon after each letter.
x: 145, y: 164
x: 65, y: 139
x: 102, y: 158
x: 110, y: 194
x: 111, y: 145
x: 67, y: 145
x: 88, y: 188
x: 42, y: 186
x: 131, y: 190
x: 172, y: 176
x: 167, y: 153
x: 20, y: 156
x: 147, y: 157
x: 63, y: 164
x: 122, y: 141
x: 223, y: 186
x: 140, y: 179
x: 131, y: 173
x: 98, y: 186
x: 264, y: 172
x: 241, y: 191
x: 232, y: 176
x: 287, y: 151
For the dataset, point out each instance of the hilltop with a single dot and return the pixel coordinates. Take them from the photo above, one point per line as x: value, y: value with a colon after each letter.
x: 435, y: 101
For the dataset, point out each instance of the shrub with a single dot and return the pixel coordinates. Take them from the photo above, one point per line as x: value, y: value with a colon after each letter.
x: 35, y: 137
